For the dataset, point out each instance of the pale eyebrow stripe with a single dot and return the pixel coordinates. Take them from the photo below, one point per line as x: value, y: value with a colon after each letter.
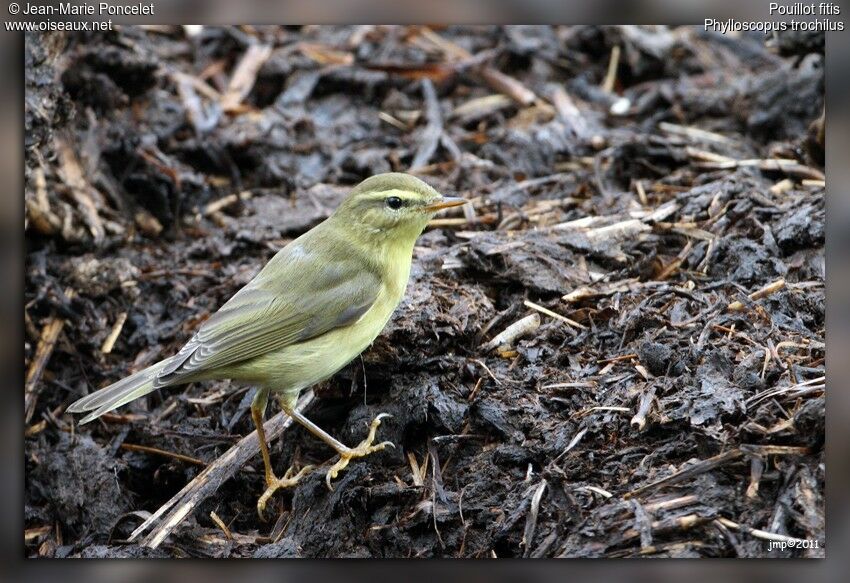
x: 382, y: 195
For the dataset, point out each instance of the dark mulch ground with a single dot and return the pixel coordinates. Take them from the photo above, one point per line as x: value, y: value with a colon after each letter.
x: 673, y: 212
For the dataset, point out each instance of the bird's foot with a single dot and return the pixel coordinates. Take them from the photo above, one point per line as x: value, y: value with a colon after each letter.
x: 273, y: 484
x: 362, y: 450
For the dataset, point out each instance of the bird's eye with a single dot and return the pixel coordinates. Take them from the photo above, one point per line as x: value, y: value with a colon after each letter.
x: 394, y: 202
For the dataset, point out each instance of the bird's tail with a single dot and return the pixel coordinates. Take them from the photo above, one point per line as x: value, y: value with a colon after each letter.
x: 119, y: 393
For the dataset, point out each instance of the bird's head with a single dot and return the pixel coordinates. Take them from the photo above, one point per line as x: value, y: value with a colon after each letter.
x: 392, y: 207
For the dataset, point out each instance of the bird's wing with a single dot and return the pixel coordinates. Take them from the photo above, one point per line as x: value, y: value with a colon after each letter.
x: 270, y: 312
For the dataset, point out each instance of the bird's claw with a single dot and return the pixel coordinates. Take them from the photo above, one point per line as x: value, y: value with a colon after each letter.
x: 362, y: 450
x: 274, y: 484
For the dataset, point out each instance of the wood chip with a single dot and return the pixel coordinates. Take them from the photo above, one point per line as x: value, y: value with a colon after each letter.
x: 767, y: 290
x: 514, y: 332
x: 244, y: 76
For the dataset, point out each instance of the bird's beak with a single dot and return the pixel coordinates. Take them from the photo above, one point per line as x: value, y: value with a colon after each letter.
x: 444, y: 203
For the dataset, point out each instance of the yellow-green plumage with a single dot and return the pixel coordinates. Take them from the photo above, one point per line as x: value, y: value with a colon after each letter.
x: 314, y: 307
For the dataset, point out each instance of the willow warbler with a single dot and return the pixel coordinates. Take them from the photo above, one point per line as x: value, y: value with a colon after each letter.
x: 317, y: 304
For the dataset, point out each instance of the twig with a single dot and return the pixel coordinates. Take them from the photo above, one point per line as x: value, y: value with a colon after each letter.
x: 531, y: 519
x: 668, y: 525
x: 693, y: 133
x: 325, y: 55
x: 629, y: 356
x: 211, y: 478
x: 573, y: 385
x: 676, y: 263
x: 109, y: 342
x: 767, y: 290
x: 555, y: 315
x: 585, y: 292
x: 508, y: 85
x: 36, y: 532
x: 712, y: 161
x: 415, y: 469
x: 453, y: 50
x: 693, y: 470
x: 757, y: 533
x: 573, y: 442
x: 662, y: 212
x: 480, y: 107
x: 161, y: 162
x: 225, y: 201
x: 611, y: 74
x: 646, y: 401
x: 641, y: 193
x: 672, y: 548
x: 393, y: 121
x: 719, y: 460
x: 617, y: 231
x: 220, y: 523
x: 495, y: 79
x: 570, y: 115
x: 797, y: 390
x: 589, y: 410
x: 596, y: 490
x: 244, y: 76
x: 487, y: 370
x: 164, y: 453
x: 671, y: 504
x: 46, y: 344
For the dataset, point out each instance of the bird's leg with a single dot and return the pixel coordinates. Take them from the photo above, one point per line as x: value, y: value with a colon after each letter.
x: 258, y: 410
x: 346, y: 454
x: 273, y: 483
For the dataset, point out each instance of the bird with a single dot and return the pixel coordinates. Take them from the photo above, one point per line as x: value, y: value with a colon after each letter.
x: 314, y: 307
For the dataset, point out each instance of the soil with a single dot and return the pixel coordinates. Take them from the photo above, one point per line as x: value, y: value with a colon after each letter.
x: 665, y: 225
